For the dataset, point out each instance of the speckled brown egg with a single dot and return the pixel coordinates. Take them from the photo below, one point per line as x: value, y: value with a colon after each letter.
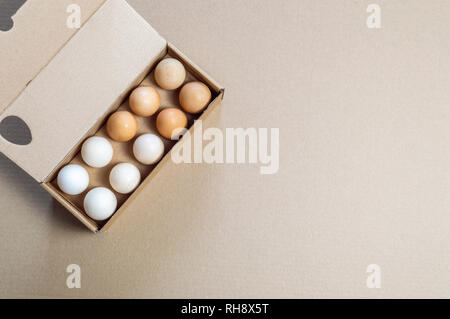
x: 144, y: 101
x: 122, y: 126
x: 194, y: 97
x: 170, y: 74
x: 171, y: 122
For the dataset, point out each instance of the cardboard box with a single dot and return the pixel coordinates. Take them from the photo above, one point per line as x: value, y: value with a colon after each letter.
x: 66, y: 95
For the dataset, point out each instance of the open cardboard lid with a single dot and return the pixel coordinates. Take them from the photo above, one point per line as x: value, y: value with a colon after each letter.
x: 31, y: 33
x: 86, y: 78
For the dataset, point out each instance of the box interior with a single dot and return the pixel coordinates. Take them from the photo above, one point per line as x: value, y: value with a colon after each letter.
x: 123, y: 151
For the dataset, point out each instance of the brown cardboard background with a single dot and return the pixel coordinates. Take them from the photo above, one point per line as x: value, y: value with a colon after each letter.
x: 364, y: 176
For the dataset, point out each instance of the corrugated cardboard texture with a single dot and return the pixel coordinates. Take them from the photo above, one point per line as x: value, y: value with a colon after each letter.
x: 39, y: 31
x: 364, y: 172
x: 82, y: 82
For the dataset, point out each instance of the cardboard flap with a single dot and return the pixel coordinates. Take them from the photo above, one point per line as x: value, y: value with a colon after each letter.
x: 86, y: 79
x: 31, y: 33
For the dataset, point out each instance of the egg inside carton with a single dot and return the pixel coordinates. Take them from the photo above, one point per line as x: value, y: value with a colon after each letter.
x: 139, y: 136
x: 144, y: 101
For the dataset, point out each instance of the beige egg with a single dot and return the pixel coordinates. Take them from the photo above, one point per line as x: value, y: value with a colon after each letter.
x: 170, y: 74
x: 194, y: 97
x: 144, y: 101
x: 121, y: 126
x: 171, y: 122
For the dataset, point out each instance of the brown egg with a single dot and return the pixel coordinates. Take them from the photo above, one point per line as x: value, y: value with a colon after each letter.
x: 122, y: 126
x: 194, y: 97
x: 170, y: 74
x: 170, y: 122
x: 144, y: 101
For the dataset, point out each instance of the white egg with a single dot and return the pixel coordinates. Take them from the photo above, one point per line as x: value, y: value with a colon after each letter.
x: 148, y: 149
x: 124, y: 178
x: 100, y: 203
x: 97, y: 151
x: 73, y: 179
